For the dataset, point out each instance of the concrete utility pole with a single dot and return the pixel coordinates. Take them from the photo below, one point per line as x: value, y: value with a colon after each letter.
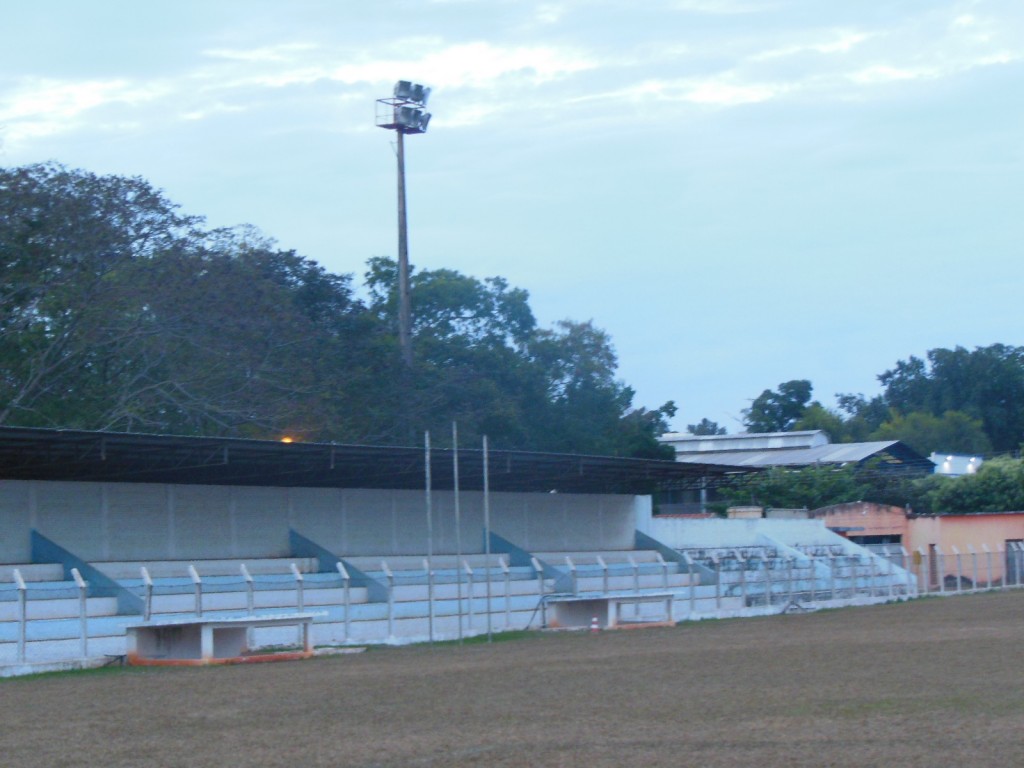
x: 404, y: 113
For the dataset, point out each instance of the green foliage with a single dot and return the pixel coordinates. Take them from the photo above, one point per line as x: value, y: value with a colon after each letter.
x: 118, y: 312
x: 986, y: 384
x: 778, y: 411
x: 998, y: 486
x: 809, y: 487
x: 817, y: 416
x: 953, y: 432
x: 705, y: 427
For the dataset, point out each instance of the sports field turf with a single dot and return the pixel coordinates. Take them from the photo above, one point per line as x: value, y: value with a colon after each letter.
x: 934, y: 682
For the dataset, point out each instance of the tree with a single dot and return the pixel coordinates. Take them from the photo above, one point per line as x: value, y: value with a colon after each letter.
x: 807, y: 487
x: 817, y: 416
x: 986, y: 383
x: 118, y: 312
x: 705, y: 427
x: 778, y: 411
x: 998, y: 486
x: 953, y: 432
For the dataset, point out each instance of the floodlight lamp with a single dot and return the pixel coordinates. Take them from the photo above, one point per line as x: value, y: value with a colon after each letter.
x: 411, y: 92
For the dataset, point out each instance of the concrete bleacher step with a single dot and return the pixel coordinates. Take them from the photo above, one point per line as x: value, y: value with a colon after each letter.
x: 644, y: 581
x: 238, y: 600
x: 439, y: 562
x: 32, y: 572
x: 610, y: 556
x: 124, y: 569
x: 59, y: 608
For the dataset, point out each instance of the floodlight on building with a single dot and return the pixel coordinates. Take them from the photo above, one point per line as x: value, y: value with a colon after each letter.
x: 403, y: 113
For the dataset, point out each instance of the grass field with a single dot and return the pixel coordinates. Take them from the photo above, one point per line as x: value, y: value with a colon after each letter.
x: 934, y: 682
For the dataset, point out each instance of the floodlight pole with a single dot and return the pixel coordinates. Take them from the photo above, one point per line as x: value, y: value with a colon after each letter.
x: 404, y: 310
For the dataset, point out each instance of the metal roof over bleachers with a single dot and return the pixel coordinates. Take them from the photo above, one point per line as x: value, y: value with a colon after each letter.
x: 57, y: 454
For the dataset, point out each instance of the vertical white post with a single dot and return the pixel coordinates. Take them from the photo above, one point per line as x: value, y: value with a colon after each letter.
x: 391, y: 598
x: 300, y: 597
x: 147, y: 585
x: 572, y: 574
x: 347, y: 597
x: 487, y: 530
x: 430, y: 597
x: 892, y: 576
x: 508, y: 592
x: 789, y: 573
x: 250, y: 596
x: 250, y: 602
x: 924, y: 575
x: 767, y: 579
x: 974, y: 567
x: 959, y: 569
x: 458, y: 524
x: 539, y: 570
x: 832, y: 574
x: 904, y: 558
x: 429, y: 562
x: 743, y: 575
x: 718, y: 582
x: 988, y: 563
x: 83, y: 613
x: 873, y: 575
x: 636, y: 583
x: 22, y: 613
x: 469, y: 579
x: 198, y: 585
x: 604, y: 571
x: 664, y: 569
x: 693, y: 582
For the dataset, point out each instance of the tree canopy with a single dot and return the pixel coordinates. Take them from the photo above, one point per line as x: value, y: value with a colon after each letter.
x: 119, y: 312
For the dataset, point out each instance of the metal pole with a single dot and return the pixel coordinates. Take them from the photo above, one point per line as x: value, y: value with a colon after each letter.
x: 404, y: 314
x: 430, y: 533
x: 487, y: 533
x: 458, y: 524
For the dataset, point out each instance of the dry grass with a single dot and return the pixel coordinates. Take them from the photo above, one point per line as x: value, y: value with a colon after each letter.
x: 936, y: 682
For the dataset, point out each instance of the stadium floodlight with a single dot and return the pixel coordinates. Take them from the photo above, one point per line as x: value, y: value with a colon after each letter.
x: 412, y: 92
x: 403, y: 113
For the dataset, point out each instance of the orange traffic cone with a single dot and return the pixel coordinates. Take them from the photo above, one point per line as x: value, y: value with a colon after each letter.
x: 594, y: 626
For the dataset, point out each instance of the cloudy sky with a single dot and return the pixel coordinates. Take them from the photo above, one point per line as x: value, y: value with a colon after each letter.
x: 740, y: 192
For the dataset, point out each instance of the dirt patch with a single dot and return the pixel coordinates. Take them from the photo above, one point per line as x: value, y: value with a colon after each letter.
x: 931, y: 682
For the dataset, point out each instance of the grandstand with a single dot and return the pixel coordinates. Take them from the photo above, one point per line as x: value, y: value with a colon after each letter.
x: 104, y: 533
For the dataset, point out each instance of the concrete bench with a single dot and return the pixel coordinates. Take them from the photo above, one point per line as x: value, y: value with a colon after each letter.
x: 195, y: 640
x: 580, y: 610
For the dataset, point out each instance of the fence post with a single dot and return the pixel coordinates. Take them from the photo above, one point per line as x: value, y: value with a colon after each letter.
x: 469, y: 580
x: 974, y: 567
x: 198, y: 584
x: 959, y: 569
x: 83, y: 613
x: 925, y: 577
x: 892, y: 574
x: 988, y: 563
x: 832, y: 574
x: 767, y: 579
x: 300, y: 600
x: 903, y: 565
x: 743, y: 575
x: 604, y: 572
x: 572, y: 574
x: 508, y: 591
x: 693, y: 585
x: 872, y: 575
x: 391, y: 598
x: 636, y: 583
x: 664, y: 569
x: 147, y: 585
x: 430, y: 599
x: 718, y: 582
x: 22, y: 613
x: 789, y: 573
x: 345, y: 582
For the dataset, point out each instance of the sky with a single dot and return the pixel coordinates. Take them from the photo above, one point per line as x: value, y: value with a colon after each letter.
x: 740, y: 192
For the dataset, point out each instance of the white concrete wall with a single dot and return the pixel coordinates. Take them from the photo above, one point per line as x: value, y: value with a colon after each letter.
x: 122, y: 521
x: 688, y: 533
